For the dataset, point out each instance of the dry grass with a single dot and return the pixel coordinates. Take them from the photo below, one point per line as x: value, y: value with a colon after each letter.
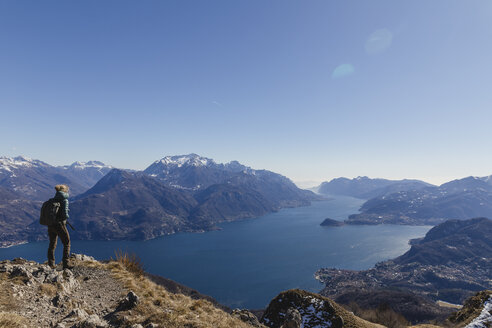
x: 170, y: 310
x: 18, y: 280
x: 48, y: 289
x: 156, y: 304
x: 9, y: 319
x: 12, y: 320
x: 131, y: 262
x: 383, y: 315
x: 7, y: 301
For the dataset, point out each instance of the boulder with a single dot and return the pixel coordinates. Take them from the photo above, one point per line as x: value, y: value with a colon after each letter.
x: 81, y: 257
x: 129, y: 302
x: 246, y: 316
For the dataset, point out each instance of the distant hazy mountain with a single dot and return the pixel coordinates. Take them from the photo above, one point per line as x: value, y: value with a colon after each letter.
x: 468, y: 183
x: 33, y: 179
x: 458, y: 199
x: 365, y: 188
x: 16, y: 215
x: 85, y: 174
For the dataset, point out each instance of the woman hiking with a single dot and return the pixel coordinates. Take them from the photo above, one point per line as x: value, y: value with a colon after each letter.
x: 59, y: 229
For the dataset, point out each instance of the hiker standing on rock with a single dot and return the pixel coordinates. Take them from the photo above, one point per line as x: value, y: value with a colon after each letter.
x: 59, y: 228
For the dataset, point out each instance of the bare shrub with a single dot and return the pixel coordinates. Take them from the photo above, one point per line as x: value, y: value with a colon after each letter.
x: 131, y: 262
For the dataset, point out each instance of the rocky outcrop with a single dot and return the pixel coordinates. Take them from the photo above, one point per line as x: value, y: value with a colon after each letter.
x: 476, y: 311
x: 51, y: 298
x: 246, y: 316
x: 297, y: 308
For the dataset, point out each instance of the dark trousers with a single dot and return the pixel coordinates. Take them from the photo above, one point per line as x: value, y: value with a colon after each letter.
x: 55, y: 231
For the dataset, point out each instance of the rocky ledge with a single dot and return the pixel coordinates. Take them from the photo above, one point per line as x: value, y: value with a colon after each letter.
x: 97, y: 294
x: 94, y: 295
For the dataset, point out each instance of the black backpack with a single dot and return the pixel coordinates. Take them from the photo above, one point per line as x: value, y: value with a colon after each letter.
x: 49, y: 212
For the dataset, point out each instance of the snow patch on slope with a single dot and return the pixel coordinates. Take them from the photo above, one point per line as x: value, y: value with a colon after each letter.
x: 11, y: 164
x: 86, y: 165
x: 484, y: 320
x: 314, y: 316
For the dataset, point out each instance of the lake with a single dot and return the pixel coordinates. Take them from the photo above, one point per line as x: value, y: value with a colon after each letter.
x: 249, y: 262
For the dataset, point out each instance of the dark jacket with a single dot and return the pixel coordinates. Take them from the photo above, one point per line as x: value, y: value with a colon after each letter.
x: 63, y: 197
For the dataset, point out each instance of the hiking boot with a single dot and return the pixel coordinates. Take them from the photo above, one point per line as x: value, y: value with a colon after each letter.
x: 52, y: 265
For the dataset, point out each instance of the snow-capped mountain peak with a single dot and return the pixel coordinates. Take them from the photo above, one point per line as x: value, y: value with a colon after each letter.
x: 186, y: 160
x: 195, y: 172
x: 178, y: 161
x: 85, y: 165
x: 13, y: 163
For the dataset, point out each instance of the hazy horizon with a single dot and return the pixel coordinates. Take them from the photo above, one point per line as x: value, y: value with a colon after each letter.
x: 311, y: 90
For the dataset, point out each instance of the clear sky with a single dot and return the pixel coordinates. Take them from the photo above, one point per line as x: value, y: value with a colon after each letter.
x: 309, y: 89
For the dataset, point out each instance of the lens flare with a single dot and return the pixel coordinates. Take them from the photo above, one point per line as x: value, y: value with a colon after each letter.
x: 378, y: 42
x: 343, y: 70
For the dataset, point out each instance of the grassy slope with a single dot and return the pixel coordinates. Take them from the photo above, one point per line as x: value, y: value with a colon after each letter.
x: 156, y: 304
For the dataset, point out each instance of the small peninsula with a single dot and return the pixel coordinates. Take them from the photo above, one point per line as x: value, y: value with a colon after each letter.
x: 331, y: 223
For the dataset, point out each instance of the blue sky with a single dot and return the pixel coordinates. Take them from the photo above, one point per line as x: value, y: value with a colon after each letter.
x: 310, y: 89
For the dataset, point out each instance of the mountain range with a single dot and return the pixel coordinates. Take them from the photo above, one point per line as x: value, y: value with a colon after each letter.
x: 176, y: 193
x: 194, y: 193
x: 458, y: 199
x: 33, y: 179
x: 414, y: 202
x: 366, y: 188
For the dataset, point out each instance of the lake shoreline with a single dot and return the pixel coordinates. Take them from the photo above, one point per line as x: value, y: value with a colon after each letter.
x: 250, y: 261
